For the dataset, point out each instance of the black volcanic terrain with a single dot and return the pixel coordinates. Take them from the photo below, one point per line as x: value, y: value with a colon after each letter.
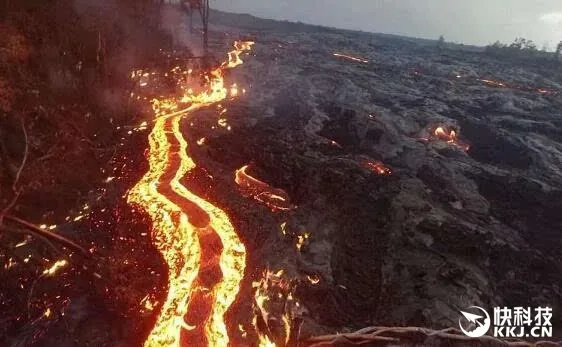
x: 421, y: 179
x: 449, y: 228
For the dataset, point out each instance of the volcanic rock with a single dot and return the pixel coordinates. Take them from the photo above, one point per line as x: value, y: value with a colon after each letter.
x: 449, y: 228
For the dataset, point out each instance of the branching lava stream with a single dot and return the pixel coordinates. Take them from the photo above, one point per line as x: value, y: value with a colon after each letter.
x: 205, y: 257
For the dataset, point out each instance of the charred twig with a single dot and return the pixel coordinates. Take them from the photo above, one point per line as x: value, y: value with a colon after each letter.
x: 345, y: 340
x: 404, y: 334
x: 82, y: 135
x: 9, y: 167
x: 24, y: 159
x: 294, y: 336
x: 30, y: 296
x: 44, y: 239
x: 47, y: 235
x: 11, y: 253
x: 16, y: 190
x: 50, y: 152
x: 8, y: 207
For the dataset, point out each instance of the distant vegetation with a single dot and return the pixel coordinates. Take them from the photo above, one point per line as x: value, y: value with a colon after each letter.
x: 523, y: 48
x: 441, y: 42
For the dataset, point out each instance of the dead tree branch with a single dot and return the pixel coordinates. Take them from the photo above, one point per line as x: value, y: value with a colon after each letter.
x: 15, y: 189
x: 8, y: 207
x: 48, y: 235
x: 42, y: 238
x: 24, y: 159
x: 393, y: 335
x: 45, y: 236
x: 293, y: 340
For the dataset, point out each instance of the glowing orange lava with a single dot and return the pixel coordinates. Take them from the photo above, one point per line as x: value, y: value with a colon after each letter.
x: 377, y: 167
x: 56, y: 266
x: 274, y: 306
x: 349, y: 57
x: 183, y: 221
x: 275, y: 199
x: 493, y: 83
x: 449, y: 137
x: 441, y: 134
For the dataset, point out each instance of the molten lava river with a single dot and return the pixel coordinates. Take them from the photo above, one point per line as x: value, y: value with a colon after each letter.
x: 205, y: 257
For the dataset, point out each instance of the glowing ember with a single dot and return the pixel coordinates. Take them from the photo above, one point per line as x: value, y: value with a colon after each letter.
x: 264, y: 341
x: 450, y: 137
x: 222, y: 122
x: 275, y: 308
x: 233, y: 90
x: 377, y: 167
x: 21, y: 244
x: 11, y: 263
x: 182, y: 221
x: 313, y: 279
x: 335, y: 144
x: 301, y: 239
x: 234, y: 56
x: 275, y: 199
x: 493, y: 83
x: 349, y: 57
x: 148, y: 304
x: 55, y: 267
x: 283, y: 226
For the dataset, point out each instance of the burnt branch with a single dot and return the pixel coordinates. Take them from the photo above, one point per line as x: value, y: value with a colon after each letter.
x: 391, y: 335
x: 42, y: 238
x: 294, y: 336
x: 9, y: 167
x: 34, y: 230
x: 24, y: 159
x: 8, y: 207
x: 15, y: 189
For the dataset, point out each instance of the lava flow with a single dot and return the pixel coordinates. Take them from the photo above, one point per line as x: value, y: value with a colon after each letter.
x: 349, y: 57
x: 205, y: 257
x: 377, y: 167
x: 493, y: 83
x: 275, y: 308
x: 441, y: 134
x: 449, y: 137
x: 275, y: 199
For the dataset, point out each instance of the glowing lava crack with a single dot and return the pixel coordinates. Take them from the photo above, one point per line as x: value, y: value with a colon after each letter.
x: 205, y: 257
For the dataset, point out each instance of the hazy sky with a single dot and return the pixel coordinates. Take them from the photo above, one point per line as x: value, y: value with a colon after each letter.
x: 468, y: 21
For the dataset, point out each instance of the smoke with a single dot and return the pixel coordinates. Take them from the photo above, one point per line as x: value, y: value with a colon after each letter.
x: 99, y: 42
x: 175, y: 21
